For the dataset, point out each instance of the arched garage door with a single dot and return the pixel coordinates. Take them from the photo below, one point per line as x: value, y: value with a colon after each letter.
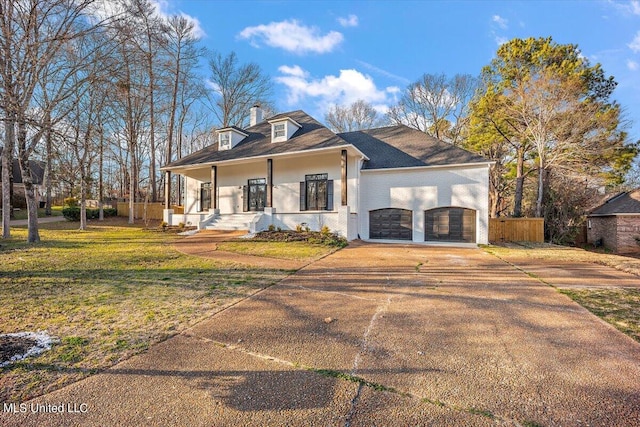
x: 391, y: 224
x: 450, y: 225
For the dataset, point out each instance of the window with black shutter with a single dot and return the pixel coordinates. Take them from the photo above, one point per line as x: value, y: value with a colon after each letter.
x: 316, y: 193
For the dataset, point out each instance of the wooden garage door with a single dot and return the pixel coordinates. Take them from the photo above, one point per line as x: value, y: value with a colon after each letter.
x: 391, y: 224
x: 450, y: 225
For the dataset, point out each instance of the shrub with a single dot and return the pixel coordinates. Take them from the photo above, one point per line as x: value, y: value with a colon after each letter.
x: 325, y: 230
x: 272, y: 227
x: 73, y: 213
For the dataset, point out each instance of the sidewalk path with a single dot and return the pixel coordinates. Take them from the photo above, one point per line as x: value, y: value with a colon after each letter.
x: 41, y: 220
x: 386, y: 335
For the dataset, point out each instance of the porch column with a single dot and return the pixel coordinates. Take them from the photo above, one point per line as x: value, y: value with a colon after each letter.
x: 269, y: 203
x: 343, y: 177
x: 214, y: 187
x: 167, y: 190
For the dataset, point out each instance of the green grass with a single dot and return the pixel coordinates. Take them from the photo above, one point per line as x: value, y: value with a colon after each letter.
x: 22, y: 213
x: 282, y: 250
x: 106, y: 293
x: 619, y: 307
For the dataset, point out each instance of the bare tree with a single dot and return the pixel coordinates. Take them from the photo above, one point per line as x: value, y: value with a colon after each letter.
x: 34, y: 33
x: 436, y: 105
x: 357, y: 116
x: 182, y: 58
x: 143, y: 14
x: 236, y: 88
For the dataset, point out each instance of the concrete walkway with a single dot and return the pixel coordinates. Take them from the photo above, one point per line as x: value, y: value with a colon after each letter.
x: 384, y: 335
x: 42, y: 220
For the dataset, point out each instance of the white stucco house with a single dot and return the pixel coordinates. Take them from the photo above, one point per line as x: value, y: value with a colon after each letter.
x: 392, y: 183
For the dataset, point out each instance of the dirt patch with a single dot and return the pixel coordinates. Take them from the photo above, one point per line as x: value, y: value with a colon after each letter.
x: 14, y: 347
x: 11, y: 346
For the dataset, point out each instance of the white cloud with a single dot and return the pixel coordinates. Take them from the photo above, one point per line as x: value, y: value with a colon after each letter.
x: 500, y: 21
x: 635, y: 43
x: 350, y: 21
x: 627, y: 8
x: 292, y: 36
x: 501, y: 40
x: 197, y: 31
x: 632, y: 65
x: 295, y: 71
x: 344, y: 89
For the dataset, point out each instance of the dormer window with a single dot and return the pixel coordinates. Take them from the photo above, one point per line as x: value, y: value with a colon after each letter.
x: 230, y: 137
x: 282, y: 129
x: 279, y: 130
x: 225, y: 140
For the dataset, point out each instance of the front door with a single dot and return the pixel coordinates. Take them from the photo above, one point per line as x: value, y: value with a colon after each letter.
x: 257, y: 194
x: 205, y: 196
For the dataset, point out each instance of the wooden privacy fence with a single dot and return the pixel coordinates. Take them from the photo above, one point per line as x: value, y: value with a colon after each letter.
x: 516, y: 230
x: 154, y: 210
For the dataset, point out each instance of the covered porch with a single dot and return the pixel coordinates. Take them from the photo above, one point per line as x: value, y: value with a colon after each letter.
x: 316, y: 188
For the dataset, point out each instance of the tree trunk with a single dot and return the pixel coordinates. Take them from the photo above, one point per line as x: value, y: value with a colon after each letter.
x: 7, y: 160
x: 27, y: 179
x: 541, y: 180
x: 152, y: 139
x: 48, y: 167
x: 101, y: 178
x: 83, y: 198
x: 517, y: 200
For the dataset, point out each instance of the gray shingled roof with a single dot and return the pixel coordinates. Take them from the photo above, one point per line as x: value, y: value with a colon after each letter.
x: 401, y: 146
x: 623, y: 203
x: 37, y: 171
x: 312, y: 135
x: 388, y: 147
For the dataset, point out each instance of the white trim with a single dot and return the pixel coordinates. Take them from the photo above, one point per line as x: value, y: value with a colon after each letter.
x: 229, y: 128
x: 264, y: 156
x: 282, y: 119
x: 412, y: 168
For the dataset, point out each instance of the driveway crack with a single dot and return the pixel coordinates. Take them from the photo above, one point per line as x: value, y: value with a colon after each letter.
x: 365, y: 346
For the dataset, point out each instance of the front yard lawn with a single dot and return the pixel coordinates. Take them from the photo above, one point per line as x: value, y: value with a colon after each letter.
x: 619, y: 307
x: 105, y: 294
x: 23, y: 214
x: 283, y: 250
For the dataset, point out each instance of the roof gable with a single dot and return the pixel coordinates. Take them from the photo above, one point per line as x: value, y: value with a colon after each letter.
x: 311, y: 135
x: 622, y: 203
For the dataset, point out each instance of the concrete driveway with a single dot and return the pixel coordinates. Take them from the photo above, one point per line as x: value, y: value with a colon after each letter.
x: 384, y: 335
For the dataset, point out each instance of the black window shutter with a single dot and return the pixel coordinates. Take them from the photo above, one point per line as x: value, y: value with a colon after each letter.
x: 245, y: 198
x: 330, y: 195
x: 303, y: 196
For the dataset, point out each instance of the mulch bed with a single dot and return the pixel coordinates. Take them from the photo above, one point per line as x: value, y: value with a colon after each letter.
x: 301, y: 236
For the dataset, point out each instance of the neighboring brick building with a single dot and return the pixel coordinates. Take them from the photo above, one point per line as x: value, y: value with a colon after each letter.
x: 616, y: 223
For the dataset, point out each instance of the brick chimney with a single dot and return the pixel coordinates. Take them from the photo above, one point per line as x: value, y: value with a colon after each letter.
x: 256, y: 115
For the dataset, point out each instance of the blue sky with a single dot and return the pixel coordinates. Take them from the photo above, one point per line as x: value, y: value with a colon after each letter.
x: 335, y: 52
